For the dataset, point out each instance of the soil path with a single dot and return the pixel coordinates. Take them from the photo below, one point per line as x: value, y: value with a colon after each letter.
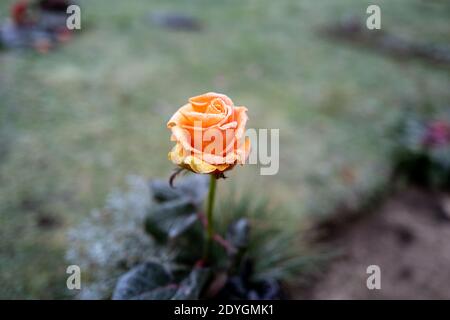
x: 409, y: 238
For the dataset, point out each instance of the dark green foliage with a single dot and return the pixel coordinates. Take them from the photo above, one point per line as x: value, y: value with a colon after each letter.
x: 191, y: 287
x: 171, y: 219
x: 163, y: 293
x: 157, y: 239
x: 423, y: 153
x: 140, y: 280
x: 238, y: 233
x: 151, y: 281
x: 274, y: 247
x: 247, y: 263
x: 174, y: 219
x: 176, y: 208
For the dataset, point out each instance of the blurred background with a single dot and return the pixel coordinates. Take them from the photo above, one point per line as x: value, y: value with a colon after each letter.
x: 79, y: 117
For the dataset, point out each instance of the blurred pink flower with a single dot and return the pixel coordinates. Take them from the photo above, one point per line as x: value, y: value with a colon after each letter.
x: 437, y: 134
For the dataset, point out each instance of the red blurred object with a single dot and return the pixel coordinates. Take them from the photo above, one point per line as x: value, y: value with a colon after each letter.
x: 437, y: 134
x: 20, y: 13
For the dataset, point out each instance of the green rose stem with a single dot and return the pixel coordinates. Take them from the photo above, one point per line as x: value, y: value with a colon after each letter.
x: 209, y: 218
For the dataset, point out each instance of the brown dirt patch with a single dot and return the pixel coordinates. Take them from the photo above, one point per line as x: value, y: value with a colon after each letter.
x: 409, y: 238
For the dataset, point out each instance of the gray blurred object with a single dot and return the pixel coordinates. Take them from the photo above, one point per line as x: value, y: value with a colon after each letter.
x: 38, y: 25
x: 51, y: 21
x: 351, y: 29
x: 175, y: 21
x: 13, y: 36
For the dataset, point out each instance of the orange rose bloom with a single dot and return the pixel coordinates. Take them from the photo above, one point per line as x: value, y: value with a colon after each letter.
x: 209, y: 134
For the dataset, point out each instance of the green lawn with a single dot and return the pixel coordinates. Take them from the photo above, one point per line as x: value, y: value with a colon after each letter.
x: 74, y: 123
